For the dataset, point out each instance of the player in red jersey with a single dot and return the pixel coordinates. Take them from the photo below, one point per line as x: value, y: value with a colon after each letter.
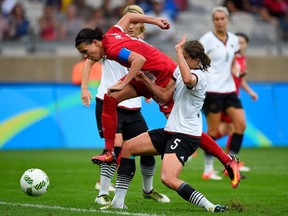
x: 129, y: 52
x: 239, y: 71
x: 138, y: 56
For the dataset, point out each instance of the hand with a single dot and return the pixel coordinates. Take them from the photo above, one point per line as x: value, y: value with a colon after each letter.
x: 254, y: 96
x: 163, y: 23
x: 140, y: 76
x: 115, y: 88
x: 85, y: 97
x: 180, y: 43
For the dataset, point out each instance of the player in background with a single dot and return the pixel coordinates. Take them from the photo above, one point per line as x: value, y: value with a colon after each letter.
x: 221, y: 46
x: 130, y: 121
x: 239, y: 71
x: 129, y: 52
x: 182, y: 133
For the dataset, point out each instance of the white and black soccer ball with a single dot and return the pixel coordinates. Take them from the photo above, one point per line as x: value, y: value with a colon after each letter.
x: 34, y: 182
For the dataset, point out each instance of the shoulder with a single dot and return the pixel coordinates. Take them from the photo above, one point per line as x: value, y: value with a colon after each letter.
x: 115, y: 29
x: 232, y: 36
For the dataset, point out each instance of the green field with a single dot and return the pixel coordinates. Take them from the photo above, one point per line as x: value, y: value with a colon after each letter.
x: 73, y: 176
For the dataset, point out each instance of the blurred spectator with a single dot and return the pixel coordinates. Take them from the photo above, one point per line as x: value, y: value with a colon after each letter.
x: 48, y: 24
x: 257, y: 7
x: 83, y: 10
x: 279, y: 10
x: 182, y: 5
x: 155, y: 35
x: 95, y: 74
x: 98, y: 20
x: 237, y: 5
x: 18, y: 24
x: 71, y: 24
x: 4, y: 26
x: 107, y: 10
x: 171, y: 8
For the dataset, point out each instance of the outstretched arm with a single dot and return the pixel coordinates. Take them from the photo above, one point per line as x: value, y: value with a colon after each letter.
x: 128, y: 18
x: 85, y: 93
x: 162, y: 94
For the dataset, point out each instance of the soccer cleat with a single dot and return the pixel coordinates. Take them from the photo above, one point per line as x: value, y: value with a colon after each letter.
x: 103, y: 199
x: 110, y: 206
x: 219, y: 208
x: 111, y: 187
x: 232, y: 170
x: 107, y: 156
x: 211, y: 175
x: 158, y: 197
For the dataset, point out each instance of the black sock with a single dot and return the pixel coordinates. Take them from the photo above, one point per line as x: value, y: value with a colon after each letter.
x: 236, y: 143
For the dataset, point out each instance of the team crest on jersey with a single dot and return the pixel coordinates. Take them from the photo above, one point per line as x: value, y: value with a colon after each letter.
x: 117, y: 36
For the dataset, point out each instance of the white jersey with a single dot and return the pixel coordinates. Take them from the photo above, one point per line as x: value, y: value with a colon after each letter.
x: 186, y: 116
x: 220, y: 79
x: 112, y: 71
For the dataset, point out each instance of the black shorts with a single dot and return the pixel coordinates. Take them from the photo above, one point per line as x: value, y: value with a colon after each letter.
x: 180, y: 144
x: 130, y: 122
x: 215, y: 102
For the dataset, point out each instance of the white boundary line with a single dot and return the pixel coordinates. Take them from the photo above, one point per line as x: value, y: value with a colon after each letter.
x: 75, y: 209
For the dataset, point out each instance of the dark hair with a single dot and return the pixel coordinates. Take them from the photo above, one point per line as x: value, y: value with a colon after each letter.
x: 243, y: 35
x: 87, y: 35
x: 196, y: 51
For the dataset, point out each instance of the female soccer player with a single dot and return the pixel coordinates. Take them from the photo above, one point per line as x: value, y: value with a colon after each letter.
x: 182, y: 133
x: 239, y: 71
x: 130, y: 121
x: 129, y: 52
x: 154, y: 64
x: 221, y: 46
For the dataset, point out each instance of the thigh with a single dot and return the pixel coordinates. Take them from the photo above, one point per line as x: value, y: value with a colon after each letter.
x: 126, y: 93
x: 237, y: 116
x: 139, y: 145
x: 213, y: 123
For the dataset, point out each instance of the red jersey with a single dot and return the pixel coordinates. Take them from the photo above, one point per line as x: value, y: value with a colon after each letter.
x: 158, y: 66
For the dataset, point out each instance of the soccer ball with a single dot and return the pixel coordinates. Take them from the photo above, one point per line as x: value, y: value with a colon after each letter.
x: 34, y: 182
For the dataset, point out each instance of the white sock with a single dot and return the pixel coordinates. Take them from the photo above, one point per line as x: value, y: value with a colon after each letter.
x: 147, y: 177
x: 104, y: 185
x: 119, y: 197
x: 208, y: 164
x: 206, y: 204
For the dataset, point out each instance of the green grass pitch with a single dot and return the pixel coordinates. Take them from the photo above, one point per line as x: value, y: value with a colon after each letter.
x: 73, y: 177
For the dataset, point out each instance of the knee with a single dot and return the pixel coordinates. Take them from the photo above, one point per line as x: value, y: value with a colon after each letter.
x: 126, y: 150
x: 240, y: 126
x: 168, y: 180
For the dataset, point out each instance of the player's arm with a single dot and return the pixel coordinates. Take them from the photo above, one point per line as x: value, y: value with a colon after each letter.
x: 246, y: 87
x: 85, y: 93
x: 162, y: 94
x: 189, y: 79
x: 140, y: 18
x: 136, y: 62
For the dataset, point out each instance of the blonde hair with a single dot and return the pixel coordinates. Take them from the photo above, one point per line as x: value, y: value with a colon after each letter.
x: 134, y: 9
x: 221, y: 9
